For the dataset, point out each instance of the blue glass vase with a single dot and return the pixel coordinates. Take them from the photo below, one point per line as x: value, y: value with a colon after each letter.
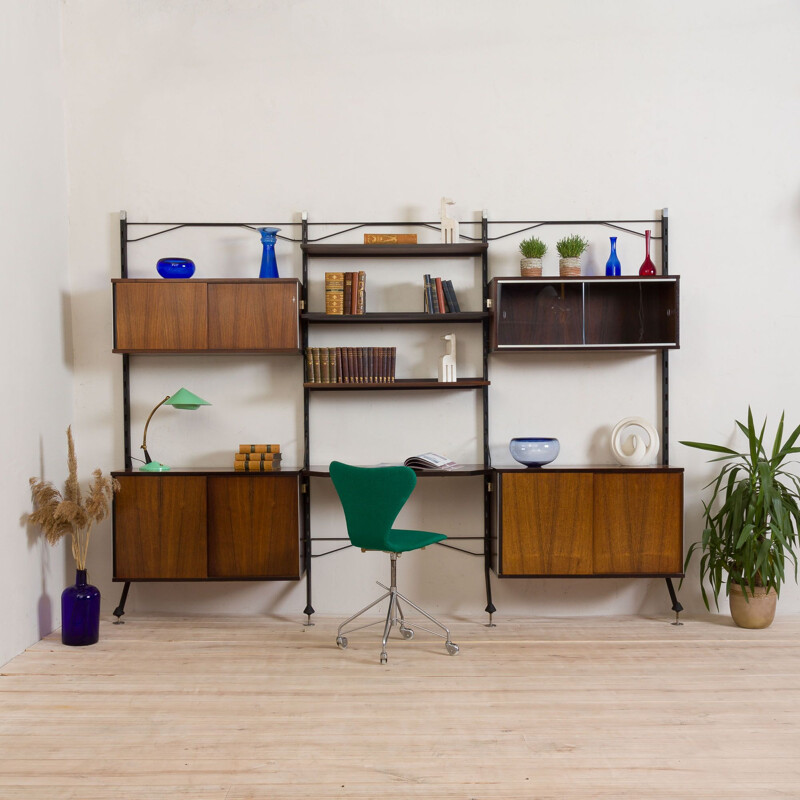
x: 80, y: 612
x: 612, y: 265
x: 269, y: 265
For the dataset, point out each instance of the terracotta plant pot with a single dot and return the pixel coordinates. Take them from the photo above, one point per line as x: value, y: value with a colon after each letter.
x: 569, y: 267
x: 530, y: 267
x: 758, y: 613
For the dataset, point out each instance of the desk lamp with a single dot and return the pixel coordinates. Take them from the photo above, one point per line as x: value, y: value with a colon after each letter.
x: 182, y: 399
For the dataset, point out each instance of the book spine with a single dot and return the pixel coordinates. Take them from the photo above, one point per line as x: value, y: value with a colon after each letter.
x: 325, y: 364
x: 317, y: 366
x: 334, y: 292
x: 348, y: 291
x: 392, y: 361
x: 390, y: 238
x: 451, y: 297
x: 309, y: 365
x: 256, y: 466
x: 351, y: 360
x: 354, y: 293
x: 441, y: 305
x: 257, y: 457
x: 431, y: 306
x: 259, y: 448
x: 361, y: 299
x: 339, y: 370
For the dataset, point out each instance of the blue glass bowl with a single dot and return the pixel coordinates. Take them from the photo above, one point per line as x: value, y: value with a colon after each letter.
x: 175, y: 267
x: 534, y: 451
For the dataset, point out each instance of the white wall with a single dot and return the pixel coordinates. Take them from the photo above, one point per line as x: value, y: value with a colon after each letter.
x: 254, y: 111
x: 36, y: 401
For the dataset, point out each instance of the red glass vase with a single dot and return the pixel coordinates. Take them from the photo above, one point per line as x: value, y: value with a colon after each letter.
x: 648, y: 267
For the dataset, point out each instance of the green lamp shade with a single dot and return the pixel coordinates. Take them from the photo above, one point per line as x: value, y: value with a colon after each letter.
x: 186, y: 400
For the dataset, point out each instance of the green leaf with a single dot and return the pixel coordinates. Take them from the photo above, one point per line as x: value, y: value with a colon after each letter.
x: 715, y: 448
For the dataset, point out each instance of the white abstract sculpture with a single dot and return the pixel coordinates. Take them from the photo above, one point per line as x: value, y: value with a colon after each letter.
x: 449, y: 225
x: 447, y: 363
x: 633, y: 451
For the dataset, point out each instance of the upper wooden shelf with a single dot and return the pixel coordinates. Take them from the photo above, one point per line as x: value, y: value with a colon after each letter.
x: 400, y: 383
x: 395, y: 250
x: 321, y: 471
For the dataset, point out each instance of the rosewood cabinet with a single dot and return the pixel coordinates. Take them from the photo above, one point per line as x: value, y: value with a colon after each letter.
x: 206, y: 316
x: 207, y: 525
x: 585, y: 521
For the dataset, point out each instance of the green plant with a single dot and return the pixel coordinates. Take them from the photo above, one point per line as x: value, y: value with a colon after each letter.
x: 751, y: 520
x: 532, y: 247
x: 571, y: 246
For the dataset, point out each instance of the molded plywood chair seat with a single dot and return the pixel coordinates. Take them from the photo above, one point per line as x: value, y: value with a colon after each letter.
x: 372, y: 498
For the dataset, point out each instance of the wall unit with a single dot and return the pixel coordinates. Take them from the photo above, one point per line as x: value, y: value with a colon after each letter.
x: 553, y: 522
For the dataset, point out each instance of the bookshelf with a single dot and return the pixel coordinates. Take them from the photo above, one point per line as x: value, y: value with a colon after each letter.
x: 553, y: 522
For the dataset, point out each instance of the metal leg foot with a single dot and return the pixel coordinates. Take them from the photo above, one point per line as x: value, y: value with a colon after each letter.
x: 308, y: 611
x: 676, y: 606
x: 120, y: 609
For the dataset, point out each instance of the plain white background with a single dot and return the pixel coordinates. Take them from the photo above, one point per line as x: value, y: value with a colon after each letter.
x: 255, y: 111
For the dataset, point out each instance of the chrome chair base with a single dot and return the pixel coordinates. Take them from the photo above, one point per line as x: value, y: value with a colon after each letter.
x: 394, y: 617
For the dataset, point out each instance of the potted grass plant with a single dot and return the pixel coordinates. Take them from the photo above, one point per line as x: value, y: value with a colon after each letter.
x: 570, y: 248
x: 751, y: 524
x: 532, y: 250
x: 70, y: 513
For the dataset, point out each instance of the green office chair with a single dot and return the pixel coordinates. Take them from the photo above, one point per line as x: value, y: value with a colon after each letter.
x: 372, y: 498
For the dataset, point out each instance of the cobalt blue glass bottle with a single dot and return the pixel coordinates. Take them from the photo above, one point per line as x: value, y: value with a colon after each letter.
x: 80, y: 612
x: 269, y: 265
x: 612, y: 265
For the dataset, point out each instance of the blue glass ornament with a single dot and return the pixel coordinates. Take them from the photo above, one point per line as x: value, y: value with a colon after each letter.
x: 269, y: 265
x: 80, y: 612
x: 613, y: 266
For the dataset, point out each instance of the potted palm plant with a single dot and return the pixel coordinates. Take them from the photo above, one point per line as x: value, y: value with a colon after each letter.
x: 532, y: 250
x: 751, y: 525
x: 570, y: 248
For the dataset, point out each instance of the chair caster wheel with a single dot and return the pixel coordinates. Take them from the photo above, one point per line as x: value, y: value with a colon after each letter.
x: 406, y: 633
x: 452, y: 648
x: 384, y: 658
x: 341, y: 641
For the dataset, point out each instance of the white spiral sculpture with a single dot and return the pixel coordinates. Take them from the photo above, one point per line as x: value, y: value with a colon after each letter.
x: 632, y: 451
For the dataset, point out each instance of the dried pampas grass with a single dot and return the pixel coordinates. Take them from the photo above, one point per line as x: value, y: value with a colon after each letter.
x: 61, y: 514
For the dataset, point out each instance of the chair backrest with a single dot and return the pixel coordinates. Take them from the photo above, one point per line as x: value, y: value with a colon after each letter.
x: 371, y: 498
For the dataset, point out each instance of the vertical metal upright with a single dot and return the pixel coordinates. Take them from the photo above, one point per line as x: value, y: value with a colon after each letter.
x: 664, y: 351
x: 126, y: 367
x: 487, y: 457
x: 306, y: 482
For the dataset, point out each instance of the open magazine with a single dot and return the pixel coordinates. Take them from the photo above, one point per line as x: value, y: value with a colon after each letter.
x: 431, y: 461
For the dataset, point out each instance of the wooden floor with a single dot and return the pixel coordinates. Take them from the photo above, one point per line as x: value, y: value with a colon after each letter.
x: 238, y: 708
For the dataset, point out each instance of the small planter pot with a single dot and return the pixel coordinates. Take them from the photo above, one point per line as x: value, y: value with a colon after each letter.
x: 569, y: 267
x: 758, y: 613
x: 530, y: 267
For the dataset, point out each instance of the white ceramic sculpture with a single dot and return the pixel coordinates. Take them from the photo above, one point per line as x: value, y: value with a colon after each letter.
x: 632, y: 451
x: 447, y: 363
x: 449, y: 225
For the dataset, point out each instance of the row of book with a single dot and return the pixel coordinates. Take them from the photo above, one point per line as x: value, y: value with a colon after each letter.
x: 257, y: 458
x: 439, y: 296
x: 345, y: 292
x: 350, y: 364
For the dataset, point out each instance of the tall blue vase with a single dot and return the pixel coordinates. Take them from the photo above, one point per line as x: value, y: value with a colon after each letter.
x: 269, y: 265
x: 80, y: 612
x: 613, y: 266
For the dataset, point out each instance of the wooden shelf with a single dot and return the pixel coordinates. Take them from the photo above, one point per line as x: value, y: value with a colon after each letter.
x: 394, y: 250
x: 401, y: 384
x: 226, y: 471
x: 377, y: 318
x: 321, y: 471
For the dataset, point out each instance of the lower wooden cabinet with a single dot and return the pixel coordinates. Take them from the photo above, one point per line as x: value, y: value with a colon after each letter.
x: 588, y: 522
x: 207, y: 526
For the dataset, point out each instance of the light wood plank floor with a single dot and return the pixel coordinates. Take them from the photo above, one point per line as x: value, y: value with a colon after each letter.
x: 249, y: 709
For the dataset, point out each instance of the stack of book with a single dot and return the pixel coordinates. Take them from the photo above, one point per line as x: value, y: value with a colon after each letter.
x: 345, y: 292
x: 439, y: 296
x: 257, y: 458
x: 350, y: 364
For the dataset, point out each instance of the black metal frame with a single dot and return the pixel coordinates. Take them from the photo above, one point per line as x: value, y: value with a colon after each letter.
x: 346, y: 227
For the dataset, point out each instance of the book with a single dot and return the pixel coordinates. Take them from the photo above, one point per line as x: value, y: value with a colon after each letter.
x: 317, y: 366
x: 325, y: 365
x: 392, y: 359
x: 450, y: 296
x: 256, y: 466
x: 361, y: 292
x: 440, y: 301
x: 334, y: 293
x: 348, y: 292
x: 256, y: 456
x: 390, y: 238
x: 309, y: 365
x: 428, y: 295
x: 259, y: 448
x: 353, y: 293
x: 431, y: 461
